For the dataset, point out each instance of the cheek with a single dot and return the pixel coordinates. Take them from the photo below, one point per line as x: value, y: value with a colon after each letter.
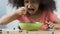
x: 36, y: 7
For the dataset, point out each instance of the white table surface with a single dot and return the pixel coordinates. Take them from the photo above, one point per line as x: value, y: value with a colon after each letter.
x: 29, y: 32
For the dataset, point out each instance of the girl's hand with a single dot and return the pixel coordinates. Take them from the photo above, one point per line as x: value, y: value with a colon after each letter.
x: 50, y: 24
x: 21, y: 11
x: 55, y: 26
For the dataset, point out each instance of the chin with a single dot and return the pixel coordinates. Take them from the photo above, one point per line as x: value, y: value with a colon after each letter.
x: 31, y: 14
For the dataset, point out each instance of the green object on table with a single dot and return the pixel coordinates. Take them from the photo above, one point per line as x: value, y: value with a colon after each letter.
x: 30, y: 26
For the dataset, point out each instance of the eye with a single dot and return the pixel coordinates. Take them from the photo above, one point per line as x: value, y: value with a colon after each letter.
x: 26, y: 1
x: 33, y: 1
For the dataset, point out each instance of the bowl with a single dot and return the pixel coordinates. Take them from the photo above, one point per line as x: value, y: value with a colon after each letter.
x: 31, y: 26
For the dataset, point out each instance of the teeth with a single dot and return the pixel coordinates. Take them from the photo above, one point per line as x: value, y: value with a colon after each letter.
x: 30, y: 11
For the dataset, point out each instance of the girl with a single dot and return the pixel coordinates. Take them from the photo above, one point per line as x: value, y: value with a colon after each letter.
x: 33, y: 11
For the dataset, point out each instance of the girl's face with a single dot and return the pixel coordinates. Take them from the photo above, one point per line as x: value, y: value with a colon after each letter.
x: 32, y: 6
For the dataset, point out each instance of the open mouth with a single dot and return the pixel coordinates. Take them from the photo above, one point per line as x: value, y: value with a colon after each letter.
x: 30, y: 10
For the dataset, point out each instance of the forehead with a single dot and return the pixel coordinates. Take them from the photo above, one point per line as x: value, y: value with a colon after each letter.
x: 32, y: 0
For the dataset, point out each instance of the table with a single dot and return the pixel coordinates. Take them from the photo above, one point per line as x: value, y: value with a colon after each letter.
x: 29, y: 32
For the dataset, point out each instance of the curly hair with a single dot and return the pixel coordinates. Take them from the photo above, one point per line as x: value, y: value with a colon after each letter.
x: 44, y: 4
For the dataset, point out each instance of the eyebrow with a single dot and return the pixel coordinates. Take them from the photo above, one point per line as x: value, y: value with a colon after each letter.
x: 34, y: 0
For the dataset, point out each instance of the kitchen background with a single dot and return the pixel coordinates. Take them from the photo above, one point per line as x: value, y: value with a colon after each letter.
x: 6, y: 9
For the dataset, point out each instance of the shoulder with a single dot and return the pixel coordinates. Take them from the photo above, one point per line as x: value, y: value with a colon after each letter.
x: 52, y: 16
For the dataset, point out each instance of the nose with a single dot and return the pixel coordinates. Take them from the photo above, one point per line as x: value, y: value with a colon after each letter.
x: 29, y: 5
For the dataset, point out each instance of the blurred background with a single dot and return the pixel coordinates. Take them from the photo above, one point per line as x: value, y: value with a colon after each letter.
x: 6, y: 9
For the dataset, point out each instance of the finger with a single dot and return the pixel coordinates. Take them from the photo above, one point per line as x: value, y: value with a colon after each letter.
x: 48, y: 22
x: 25, y: 10
x: 51, y: 25
x: 21, y: 10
